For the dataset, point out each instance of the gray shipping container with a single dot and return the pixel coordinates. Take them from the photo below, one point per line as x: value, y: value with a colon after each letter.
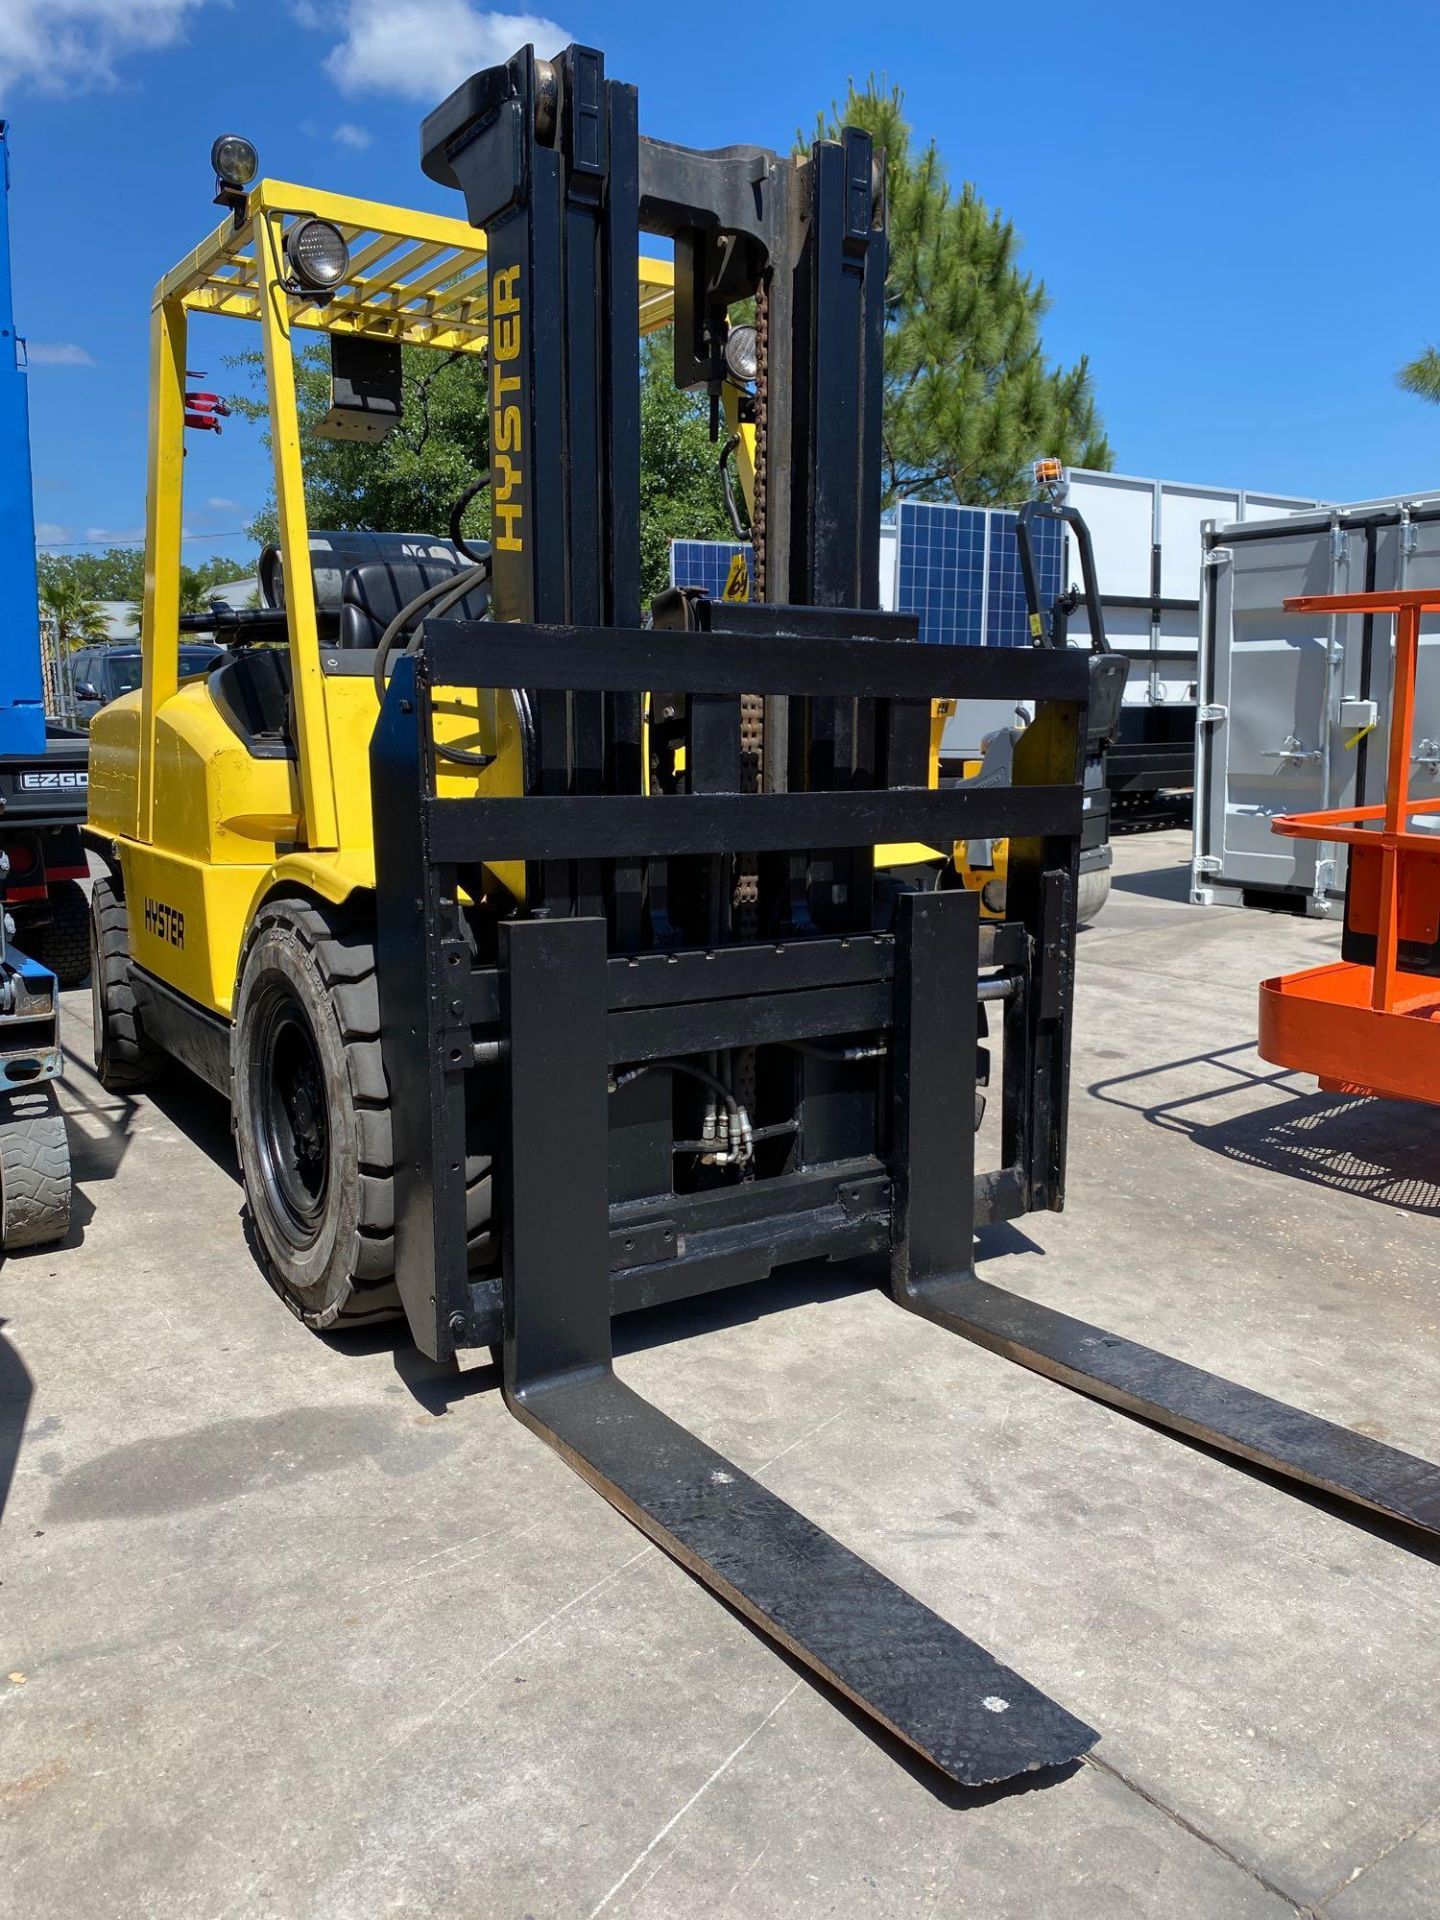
x: 1294, y: 709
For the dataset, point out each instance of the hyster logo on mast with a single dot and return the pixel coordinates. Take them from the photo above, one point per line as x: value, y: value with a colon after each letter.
x: 507, y: 477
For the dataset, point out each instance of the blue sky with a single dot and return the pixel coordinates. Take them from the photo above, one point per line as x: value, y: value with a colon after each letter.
x: 1230, y: 209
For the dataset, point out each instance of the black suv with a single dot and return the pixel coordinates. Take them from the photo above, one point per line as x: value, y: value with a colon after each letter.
x: 101, y: 674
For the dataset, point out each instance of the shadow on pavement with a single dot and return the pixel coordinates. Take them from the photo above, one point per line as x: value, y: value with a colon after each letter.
x: 1380, y: 1150
x: 1155, y: 883
x: 16, y: 1387
x: 439, y: 1385
x: 200, y: 1113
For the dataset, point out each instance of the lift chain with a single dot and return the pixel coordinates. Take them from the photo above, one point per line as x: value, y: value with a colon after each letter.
x: 745, y: 899
x: 752, y: 706
x: 762, y: 438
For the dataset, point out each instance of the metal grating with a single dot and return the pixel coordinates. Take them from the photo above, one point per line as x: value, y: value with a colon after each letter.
x: 419, y: 278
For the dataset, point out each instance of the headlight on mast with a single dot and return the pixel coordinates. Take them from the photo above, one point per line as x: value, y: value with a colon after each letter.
x: 236, y: 164
x: 742, y: 354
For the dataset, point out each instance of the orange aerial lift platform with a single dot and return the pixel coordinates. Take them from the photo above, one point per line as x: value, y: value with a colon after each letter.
x: 1369, y: 1023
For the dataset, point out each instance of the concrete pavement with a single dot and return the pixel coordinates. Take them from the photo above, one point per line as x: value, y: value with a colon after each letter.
x: 303, y: 1628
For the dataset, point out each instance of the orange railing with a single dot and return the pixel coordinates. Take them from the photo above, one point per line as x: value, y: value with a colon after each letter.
x: 1373, y: 1028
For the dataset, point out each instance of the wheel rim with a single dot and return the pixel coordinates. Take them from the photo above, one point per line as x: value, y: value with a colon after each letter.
x: 293, y: 1124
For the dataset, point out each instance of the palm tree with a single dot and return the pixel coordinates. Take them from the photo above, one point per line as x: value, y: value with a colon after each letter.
x: 77, y: 616
x: 194, y: 590
x: 1422, y: 376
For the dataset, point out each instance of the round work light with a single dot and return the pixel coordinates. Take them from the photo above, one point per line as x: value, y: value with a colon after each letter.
x: 317, y: 255
x: 742, y: 354
x: 235, y: 161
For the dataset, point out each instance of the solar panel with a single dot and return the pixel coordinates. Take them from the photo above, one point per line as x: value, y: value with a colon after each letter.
x: 1006, y: 614
x: 706, y: 563
x: 941, y: 571
x: 958, y: 569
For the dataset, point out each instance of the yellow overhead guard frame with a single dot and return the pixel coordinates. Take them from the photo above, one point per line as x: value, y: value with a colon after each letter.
x: 415, y: 278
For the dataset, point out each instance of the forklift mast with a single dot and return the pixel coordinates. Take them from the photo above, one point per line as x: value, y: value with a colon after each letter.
x: 702, y: 925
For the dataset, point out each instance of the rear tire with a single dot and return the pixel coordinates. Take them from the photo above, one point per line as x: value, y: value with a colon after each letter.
x: 1091, y: 895
x: 63, y: 943
x: 124, y: 1057
x: 312, y: 1117
x: 34, y: 1171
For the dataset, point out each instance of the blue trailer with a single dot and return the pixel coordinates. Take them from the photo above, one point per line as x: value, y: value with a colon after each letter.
x: 42, y: 764
x: 42, y: 800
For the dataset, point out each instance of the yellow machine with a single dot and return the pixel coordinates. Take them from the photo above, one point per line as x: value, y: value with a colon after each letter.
x: 233, y: 811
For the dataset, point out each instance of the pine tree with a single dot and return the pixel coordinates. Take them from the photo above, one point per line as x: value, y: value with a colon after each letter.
x: 970, y: 399
x: 1422, y: 376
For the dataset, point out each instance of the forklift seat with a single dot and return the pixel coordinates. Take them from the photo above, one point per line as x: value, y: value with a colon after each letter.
x: 362, y: 580
x: 372, y: 594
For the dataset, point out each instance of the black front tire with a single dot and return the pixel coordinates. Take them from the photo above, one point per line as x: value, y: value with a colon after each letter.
x: 311, y: 1111
x: 63, y: 943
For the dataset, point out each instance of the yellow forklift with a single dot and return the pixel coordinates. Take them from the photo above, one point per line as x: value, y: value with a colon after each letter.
x: 538, y: 944
x: 215, y: 797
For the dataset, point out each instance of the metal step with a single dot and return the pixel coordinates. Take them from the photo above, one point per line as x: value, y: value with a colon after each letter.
x: 1186, y: 1399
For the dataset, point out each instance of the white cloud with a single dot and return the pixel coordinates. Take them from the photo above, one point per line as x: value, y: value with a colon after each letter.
x: 57, y: 353
x: 423, y: 49
x: 217, y: 505
x: 72, y: 46
x: 49, y: 534
x: 347, y: 134
x: 114, y: 536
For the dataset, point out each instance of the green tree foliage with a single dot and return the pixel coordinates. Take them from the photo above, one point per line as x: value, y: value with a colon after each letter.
x: 1422, y: 376
x: 410, y: 480
x: 76, y: 613
x: 970, y: 399
x: 681, y: 496
x: 118, y: 573
x: 199, y: 584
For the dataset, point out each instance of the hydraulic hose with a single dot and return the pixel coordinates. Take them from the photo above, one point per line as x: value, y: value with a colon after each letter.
x: 440, y: 597
x: 438, y: 591
x: 741, y: 1130
x: 457, y: 514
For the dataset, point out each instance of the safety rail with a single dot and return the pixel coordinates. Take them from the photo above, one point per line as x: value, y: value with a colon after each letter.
x: 1371, y: 1023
